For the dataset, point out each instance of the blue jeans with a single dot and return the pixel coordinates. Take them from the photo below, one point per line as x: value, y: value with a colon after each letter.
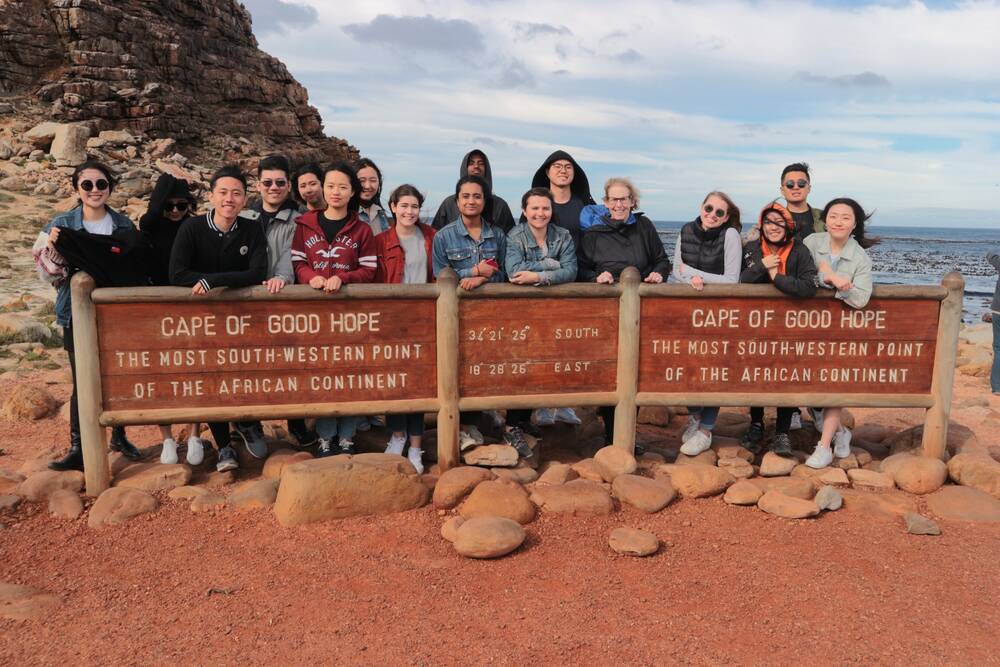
x: 411, y: 424
x: 706, y: 416
x: 995, y: 372
x: 330, y: 427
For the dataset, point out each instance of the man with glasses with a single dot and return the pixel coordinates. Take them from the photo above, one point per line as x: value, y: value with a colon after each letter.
x: 795, y: 187
x: 570, y: 188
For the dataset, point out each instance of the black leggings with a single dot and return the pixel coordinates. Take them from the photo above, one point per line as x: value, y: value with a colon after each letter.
x: 74, y: 406
x: 783, y: 422
x: 220, y: 433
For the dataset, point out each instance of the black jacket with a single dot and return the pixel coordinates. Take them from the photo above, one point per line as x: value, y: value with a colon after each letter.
x: 579, y: 187
x: 237, y: 258
x: 497, y: 211
x: 800, y: 271
x: 158, y: 232
x: 612, y: 246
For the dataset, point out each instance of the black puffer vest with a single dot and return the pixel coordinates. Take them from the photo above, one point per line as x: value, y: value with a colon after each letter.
x: 704, y: 249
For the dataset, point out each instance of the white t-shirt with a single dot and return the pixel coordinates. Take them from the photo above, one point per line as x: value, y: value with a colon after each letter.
x: 104, y: 226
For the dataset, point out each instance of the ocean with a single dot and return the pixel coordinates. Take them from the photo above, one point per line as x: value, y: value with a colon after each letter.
x: 921, y: 256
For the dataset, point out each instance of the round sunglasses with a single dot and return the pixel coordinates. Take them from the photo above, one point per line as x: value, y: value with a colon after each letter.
x: 801, y: 183
x: 719, y: 213
x: 100, y: 185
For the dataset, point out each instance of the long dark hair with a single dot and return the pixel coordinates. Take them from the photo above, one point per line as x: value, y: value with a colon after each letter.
x: 734, y: 211
x: 860, y: 218
x: 487, y: 214
x: 355, y: 202
x: 365, y: 162
x: 93, y: 164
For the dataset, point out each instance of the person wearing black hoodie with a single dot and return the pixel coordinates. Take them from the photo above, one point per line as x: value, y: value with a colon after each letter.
x: 497, y: 213
x: 570, y: 188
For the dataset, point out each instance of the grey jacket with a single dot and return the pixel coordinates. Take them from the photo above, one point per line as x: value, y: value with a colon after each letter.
x: 854, y: 264
x: 279, y: 233
x: 994, y: 260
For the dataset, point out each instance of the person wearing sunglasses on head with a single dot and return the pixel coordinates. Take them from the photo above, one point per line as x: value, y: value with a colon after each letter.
x: 781, y: 259
x: 92, y: 183
x: 708, y: 250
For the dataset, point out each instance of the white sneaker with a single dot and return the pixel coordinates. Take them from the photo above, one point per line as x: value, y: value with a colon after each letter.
x: 169, y: 454
x: 543, y: 417
x: 415, y: 458
x: 476, y: 435
x: 697, y: 443
x: 694, y: 423
x: 820, y: 458
x: 817, y: 416
x: 396, y: 445
x: 567, y: 416
x: 796, y: 422
x: 465, y: 441
x: 196, y: 450
x: 842, y: 443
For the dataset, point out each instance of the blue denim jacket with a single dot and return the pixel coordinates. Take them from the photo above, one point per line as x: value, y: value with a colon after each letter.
x: 74, y: 220
x: 455, y: 248
x: 558, y: 265
x: 379, y: 223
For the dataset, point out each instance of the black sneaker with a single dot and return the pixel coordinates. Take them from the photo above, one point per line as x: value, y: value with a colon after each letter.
x: 252, y: 435
x: 346, y: 446
x: 515, y: 438
x: 325, y: 448
x: 121, y: 444
x: 638, y: 449
x: 303, y: 436
x: 753, y: 438
x: 227, y: 460
x: 781, y: 445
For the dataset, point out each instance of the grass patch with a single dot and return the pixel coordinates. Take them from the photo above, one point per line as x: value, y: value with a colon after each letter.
x: 6, y: 198
x: 36, y: 356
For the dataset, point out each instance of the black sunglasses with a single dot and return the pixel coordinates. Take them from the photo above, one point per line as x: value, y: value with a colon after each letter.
x: 720, y: 213
x: 280, y: 183
x: 800, y: 183
x: 100, y: 184
x: 177, y: 206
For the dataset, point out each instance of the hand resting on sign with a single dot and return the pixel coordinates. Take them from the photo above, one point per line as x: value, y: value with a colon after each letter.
x: 606, y: 278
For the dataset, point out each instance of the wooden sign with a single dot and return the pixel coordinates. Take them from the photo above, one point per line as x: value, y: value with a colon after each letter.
x: 192, y: 355
x: 781, y: 344
x: 537, y: 346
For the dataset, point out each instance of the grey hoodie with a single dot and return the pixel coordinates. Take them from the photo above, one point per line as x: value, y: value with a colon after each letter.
x: 497, y: 210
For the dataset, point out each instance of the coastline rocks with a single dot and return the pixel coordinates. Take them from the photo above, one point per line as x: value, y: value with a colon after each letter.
x: 343, y: 486
x: 773, y: 465
x: 869, y: 479
x: 633, y: 542
x: 743, y: 493
x: 41, y: 485
x: 499, y: 456
x: 488, y: 537
x: 919, y: 475
x: 964, y: 503
x: 119, y: 504
x: 69, y: 145
x: 644, y: 494
x: 920, y: 525
x: 154, y: 476
x: 276, y: 462
x: 455, y: 484
x: 29, y: 402
x: 613, y: 461
x: 498, y: 498
x: 828, y: 498
x: 697, y: 480
x: 787, y: 507
x: 978, y: 471
x: 580, y: 496
x: 65, y: 504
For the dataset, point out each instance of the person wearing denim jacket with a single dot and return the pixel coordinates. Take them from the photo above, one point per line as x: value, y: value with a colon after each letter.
x: 555, y: 264
x: 457, y: 247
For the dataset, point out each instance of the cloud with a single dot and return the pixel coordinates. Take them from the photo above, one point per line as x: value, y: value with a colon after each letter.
x: 426, y: 33
x: 531, y: 30
x: 515, y: 74
x: 628, y: 56
x: 276, y: 16
x: 863, y: 80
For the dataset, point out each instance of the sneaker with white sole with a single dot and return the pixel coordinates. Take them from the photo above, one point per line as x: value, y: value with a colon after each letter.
x: 476, y: 434
x: 324, y: 448
x: 817, y: 416
x: 692, y: 427
x: 842, y: 443
x: 820, y: 458
x: 543, y: 417
x: 465, y: 441
x: 196, y: 451
x: 515, y: 438
x: 346, y: 446
x: 796, y: 422
x: 697, y: 443
x: 252, y: 435
x: 567, y: 416
x: 169, y: 454
x: 396, y: 445
x: 415, y: 456
x: 227, y: 459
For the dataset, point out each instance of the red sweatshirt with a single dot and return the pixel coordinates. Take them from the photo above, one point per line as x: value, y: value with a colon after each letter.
x: 392, y: 259
x: 351, y: 254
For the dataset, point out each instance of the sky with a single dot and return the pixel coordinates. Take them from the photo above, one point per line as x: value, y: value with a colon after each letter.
x: 894, y: 103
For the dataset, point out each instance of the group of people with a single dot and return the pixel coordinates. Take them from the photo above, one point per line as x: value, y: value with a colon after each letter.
x: 326, y: 227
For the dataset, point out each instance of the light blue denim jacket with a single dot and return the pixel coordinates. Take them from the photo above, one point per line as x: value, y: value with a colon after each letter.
x: 454, y: 247
x: 854, y: 264
x: 557, y: 265
x: 74, y: 220
x: 377, y: 223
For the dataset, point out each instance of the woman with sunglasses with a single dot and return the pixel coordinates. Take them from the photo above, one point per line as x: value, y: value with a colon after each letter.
x: 708, y: 250
x: 782, y: 260
x: 843, y: 266
x: 92, y: 182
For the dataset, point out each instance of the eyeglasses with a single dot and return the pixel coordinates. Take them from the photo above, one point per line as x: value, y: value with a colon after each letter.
x: 719, y: 213
x: 615, y: 201
x: 562, y: 166
x: 180, y: 206
x: 278, y: 183
x: 100, y: 184
x: 801, y: 183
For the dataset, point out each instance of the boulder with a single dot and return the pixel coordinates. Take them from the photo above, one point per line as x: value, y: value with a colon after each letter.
x: 643, y: 493
x: 488, y: 537
x: 522, y: 474
x: 28, y: 401
x: 449, y: 529
x: 773, y: 465
x: 655, y: 415
x: 453, y: 485
x: 778, y: 504
x: 919, y: 475
x: 978, y: 471
x: 580, y: 496
x: 343, y: 486
x: 633, y: 542
x: 960, y: 438
x: 24, y: 327
x: 260, y: 494
x: 920, y: 525
x: 499, y: 456
x: 69, y: 146
x: 22, y: 603
x: 65, y: 504
x: 873, y: 432
x: 828, y: 498
x: 613, y: 461
x: 154, y: 477
x: 729, y: 448
x: 276, y: 462
x: 41, y: 135
x: 822, y: 476
x: 208, y: 502
x: 499, y: 498
x: 587, y: 469
x: 558, y: 473
x: 697, y: 480
x: 884, y: 505
x: 119, y: 504
x: 796, y: 487
x: 731, y: 425
x: 869, y: 479
x: 849, y: 462
x: 743, y: 493
x: 964, y: 503
x: 41, y: 485
x: 737, y: 467
x: 707, y: 458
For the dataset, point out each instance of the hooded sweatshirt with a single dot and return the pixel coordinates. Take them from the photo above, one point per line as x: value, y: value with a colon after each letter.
x: 351, y: 254
x: 566, y: 215
x: 611, y: 245
x: 497, y: 211
x: 159, y: 233
x: 796, y: 270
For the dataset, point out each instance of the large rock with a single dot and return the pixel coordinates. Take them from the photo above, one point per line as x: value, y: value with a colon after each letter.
x: 276, y: 462
x: 455, y: 484
x: 773, y: 465
x: 449, y: 529
x: 613, y: 461
x: 499, y: 498
x: 69, y: 146
x: 587, y: 469
x: 737, y: 467
x: 873, y: 432
x: 22, y: 603
x: 743, y: 493
x: 488, y: 537
x: 580, y: 496
x: 65, y: 504
x: 119, y: 504
x: 24, y: 327
x: 976, y: 470
x: 522, y: 473
x: 41, y: 135
x: 796, y: 487
x: 41, y: 485
x: 29, y: 401
x: 884, y: 505
x: 643, y: 493
x: 558, y: 473
x: 963, y: 503
x: 707, y: 457
x: 260, y: 494
x: 499, y: 456
x: 731, y: 425
x: 697, y: 481
x: 655, y: 415
x: 154, y: 476
x: 959, y: 438
x: 778, y: 504
x: 341, y: 486
x: 633, y: 542
x: 916, y: 474
x: 869, y: 479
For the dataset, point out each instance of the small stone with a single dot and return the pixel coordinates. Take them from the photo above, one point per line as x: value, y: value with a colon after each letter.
x: 498, y: 456
x: 730, y: 448
x: 697, y: 480
x: 787, y: 507
x: 119, y: 504
x: 488, y: 537
x: 41, y: 485
x: 644, y: 494
x: 847, y: 463
x: 707, y: 457
x: 633, y: 542
x: 612, y: 461
x: 920, y: 525
x: 587, y: 469
x: 499, y: 499
x: 580, y: 496
x: 260, y: 494
x: 208, y: 502
x: 9, y: 503
x: 796, y: 487
x: 449, y: 529
x: 457, y: 483
x: 743, y: 493
x: 29, y: 402
x: 65, y: 504
x: 773, y: 465
x: 964, y: 503
x: 276, y: 462
x: 869, y: 479
x: 521, y: 474
x: 154, y: 476
x: 863, y: 456
x: 558, y: 473
x: 828, y: 498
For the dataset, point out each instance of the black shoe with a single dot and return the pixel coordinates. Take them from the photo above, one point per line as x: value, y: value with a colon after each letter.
x: 297, y: 429
x: 227, y: 460
x: 325, y: 448
x: 515, y: 438
x: 781, y: 445
x: 346, y: 446
x: 72, y: 461
x: 121, y: 444
x: 753, y: 438
x: 638, y: 450
x: 252, y: 435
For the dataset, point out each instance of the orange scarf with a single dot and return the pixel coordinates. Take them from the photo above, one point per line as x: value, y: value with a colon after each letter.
x: 783, y: 252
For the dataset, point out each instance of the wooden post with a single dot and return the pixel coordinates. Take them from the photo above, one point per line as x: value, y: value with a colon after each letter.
x: 447, y: 369
x: 96, y: 470
x: 628, y: 360
x: 949, y: 320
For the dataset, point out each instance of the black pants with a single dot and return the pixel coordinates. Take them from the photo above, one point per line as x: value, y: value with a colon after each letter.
x: 74, y: 406
x: 783, y: 422
x: 518, y: 417
x: 220, y: 433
